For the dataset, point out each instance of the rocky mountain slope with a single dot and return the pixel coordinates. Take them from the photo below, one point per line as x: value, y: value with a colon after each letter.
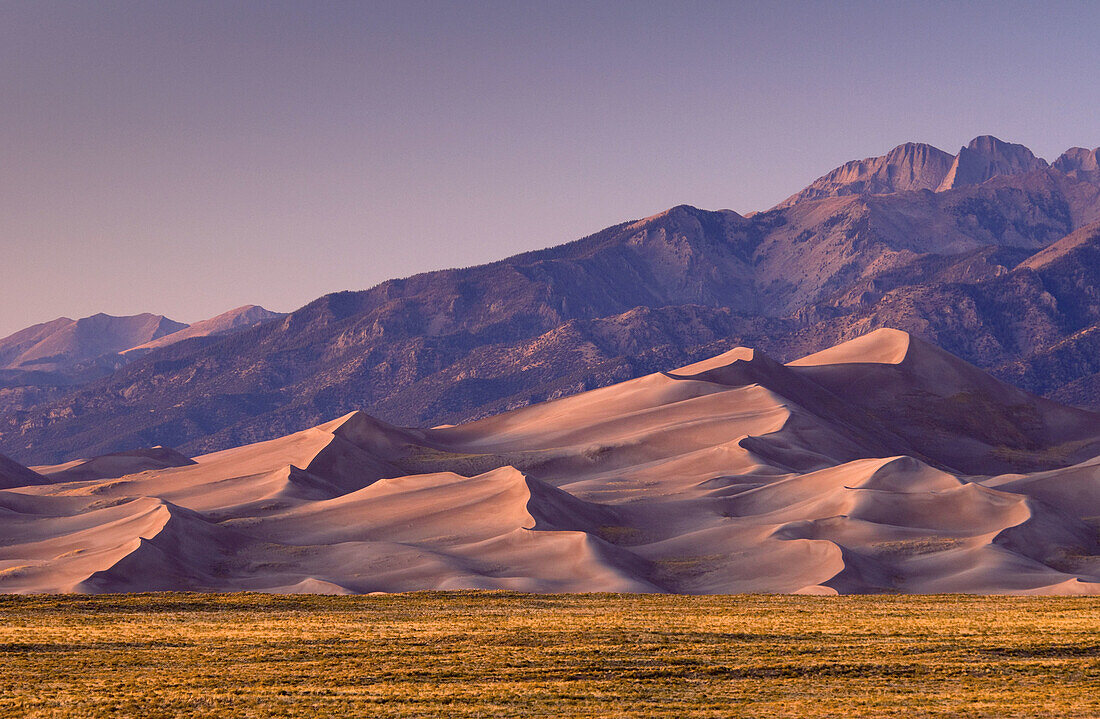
x: 917, y: 166
x: 880, y: 465
x: 49, y: 360
x: 963, y: 267
x: 64, y: 346
x: 912, y: 166
x: 987, y: 157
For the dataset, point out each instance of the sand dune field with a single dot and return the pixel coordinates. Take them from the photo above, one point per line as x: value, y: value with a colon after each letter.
x: 881, y: 465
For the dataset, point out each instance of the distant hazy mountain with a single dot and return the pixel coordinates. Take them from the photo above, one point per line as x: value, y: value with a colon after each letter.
x: 44, y: 362
x: 231, y: 321
x: 967, y: 267
x: 63, y: 343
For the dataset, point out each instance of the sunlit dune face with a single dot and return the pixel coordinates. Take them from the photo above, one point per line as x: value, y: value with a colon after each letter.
x: 734, y: 474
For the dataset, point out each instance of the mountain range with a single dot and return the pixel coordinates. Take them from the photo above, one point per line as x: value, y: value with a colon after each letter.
x: 883, y: 464
x: 992, y: 254
x: 49, y: 359
x: 65, y: 344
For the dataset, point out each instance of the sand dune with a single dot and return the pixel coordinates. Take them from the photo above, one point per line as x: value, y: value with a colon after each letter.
x: 116, y: 464
x: 880, y: 465
x: 13, y: 474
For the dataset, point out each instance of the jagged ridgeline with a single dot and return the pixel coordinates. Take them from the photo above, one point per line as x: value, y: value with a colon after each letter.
x: 991, y: 253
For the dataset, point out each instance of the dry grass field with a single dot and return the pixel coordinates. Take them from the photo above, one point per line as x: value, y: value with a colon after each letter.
x: 499, y: 654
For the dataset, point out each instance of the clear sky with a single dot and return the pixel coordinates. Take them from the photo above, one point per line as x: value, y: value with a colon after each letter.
x: 185, y: 158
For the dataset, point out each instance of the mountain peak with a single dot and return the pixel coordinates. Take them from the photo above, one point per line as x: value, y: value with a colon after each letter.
x: 987, y: 156
x: 63, y: 342
x: 1078, y: 159
x: 680, y: 213
x: 235, y: 319
x: 988, y: 144
x: 918, y: 166
x: 909, y: 166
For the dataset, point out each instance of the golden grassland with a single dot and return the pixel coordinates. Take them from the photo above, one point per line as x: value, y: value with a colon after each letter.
x: 503, y: 654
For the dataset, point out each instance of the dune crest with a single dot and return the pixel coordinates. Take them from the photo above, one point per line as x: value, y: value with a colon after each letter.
x: 880, y: 465
x: 883, y: 346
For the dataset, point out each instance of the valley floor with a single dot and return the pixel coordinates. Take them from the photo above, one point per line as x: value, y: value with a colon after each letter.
x: 506, y: 654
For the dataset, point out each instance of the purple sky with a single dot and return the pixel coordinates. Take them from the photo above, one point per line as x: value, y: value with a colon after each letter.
x: 186, y: 158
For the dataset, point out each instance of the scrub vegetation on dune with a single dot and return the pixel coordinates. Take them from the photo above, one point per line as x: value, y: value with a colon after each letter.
x: 504, y: 654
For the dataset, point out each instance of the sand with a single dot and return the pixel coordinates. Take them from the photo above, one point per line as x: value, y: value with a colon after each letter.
x: 880, y: 465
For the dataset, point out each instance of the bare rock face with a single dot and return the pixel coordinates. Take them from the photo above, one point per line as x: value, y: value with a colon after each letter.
x: 987, y: 157
x: 1078, y: 158
x: 912, y: 166
x: 1079, y: 163
x: 917, y: 166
